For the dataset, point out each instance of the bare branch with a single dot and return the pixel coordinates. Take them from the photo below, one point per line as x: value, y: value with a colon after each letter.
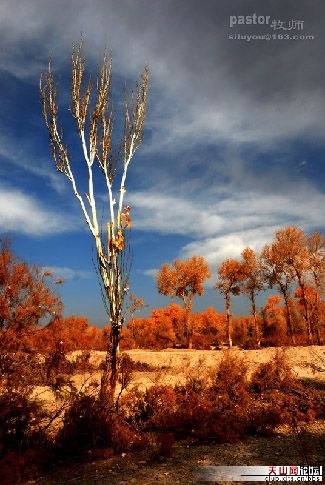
x: 80, y: 102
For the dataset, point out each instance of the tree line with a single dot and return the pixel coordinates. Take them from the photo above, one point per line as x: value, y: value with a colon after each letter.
x: 293, y: 261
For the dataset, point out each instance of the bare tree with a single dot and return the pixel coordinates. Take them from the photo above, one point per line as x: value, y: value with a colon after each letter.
x: 94, y: 122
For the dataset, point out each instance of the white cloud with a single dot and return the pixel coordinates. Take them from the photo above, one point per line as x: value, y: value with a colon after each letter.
x: 172, y: 214
x: 22, y: 213
x: 16, y: 155
x: 150, y: 272
x: 218, y: 248
x: 67, y: 274
x: 220, y: 228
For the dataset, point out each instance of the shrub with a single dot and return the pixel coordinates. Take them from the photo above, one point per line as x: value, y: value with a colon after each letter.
x: 275, y: 374
x: 231, y: 378
x: 87, y: 427
x: 283, y: 399
x: 19, y: 422
x: 24, y: 446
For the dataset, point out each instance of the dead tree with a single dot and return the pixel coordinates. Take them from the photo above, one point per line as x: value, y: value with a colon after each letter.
x: 94, y: 122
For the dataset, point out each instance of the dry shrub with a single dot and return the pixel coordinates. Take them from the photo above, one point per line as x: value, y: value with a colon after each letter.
x: 200, y: 410
x: 229, y: 409
x: 21, y: 369
x: 20, y: 420
x: 275, y: 374
x: 156, y: 408
x: 87, y: 427
x: 24, y: 446
x: 16, y: 468
x: 279, y: 397
x: 231, y: 379
x: 57, y: 364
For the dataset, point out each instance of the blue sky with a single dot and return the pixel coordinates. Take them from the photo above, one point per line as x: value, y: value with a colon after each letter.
x: 233, y: 147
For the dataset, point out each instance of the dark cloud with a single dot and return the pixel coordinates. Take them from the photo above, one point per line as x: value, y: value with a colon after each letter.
x: 220, y: 110
x: 205, y: 86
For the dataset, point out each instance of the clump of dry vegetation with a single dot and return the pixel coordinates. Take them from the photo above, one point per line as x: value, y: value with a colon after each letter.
x: 224, y: 405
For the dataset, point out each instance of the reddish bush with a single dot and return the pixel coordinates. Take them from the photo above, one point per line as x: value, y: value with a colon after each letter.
x: 88, y: 427
x: 231, y: 378
x: 283, y: 399
x: 275, y: 374
x: 24, y: 446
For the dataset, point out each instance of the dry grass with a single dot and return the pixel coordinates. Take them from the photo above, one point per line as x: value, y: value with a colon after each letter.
x: 177, y: 366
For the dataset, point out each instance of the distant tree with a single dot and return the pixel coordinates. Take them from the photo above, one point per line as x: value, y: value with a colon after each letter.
x: 274, y: 321
x: 177, y: 316
x: 136, y: 305
x: 184, y: 279
x: 294, y: 239
x: 163, y: 328
x: 155, y: 332
x: 316, y: 258
x: 26, y: 298
x: 278, y: 271
x: 230, y: 276
x: 252, y: 283
x: 72, y: 333
x: 210, y: 329
x: 94, y: 123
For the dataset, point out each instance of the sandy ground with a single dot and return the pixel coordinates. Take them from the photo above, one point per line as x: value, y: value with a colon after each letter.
x: 173, y: 366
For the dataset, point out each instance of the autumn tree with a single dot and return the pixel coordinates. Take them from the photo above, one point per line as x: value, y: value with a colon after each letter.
x: 26, y: 298
x: 279, y: 273
x: 136, y: 304
x: 184, y: 279
x: 210, y: 329
x: 316, y: 258
x: 230, y: 276
x: 274, y: 321
x: 91, y: 109
x: 252, y: 283
x: 73, y: 332
x: 296, y: 255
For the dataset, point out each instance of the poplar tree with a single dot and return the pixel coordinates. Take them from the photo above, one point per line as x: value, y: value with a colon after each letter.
x: 91, y: 109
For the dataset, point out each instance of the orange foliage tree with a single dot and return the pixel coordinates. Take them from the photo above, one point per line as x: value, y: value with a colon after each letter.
x: 278, y: 271
x: 71, y: 333
x: 26, y: 299
x: 274, y: 321
x: 294, y: 257
x: 166, y: 328
x: 297, y: 256
x: 162, y: 329
x: 136, y: 304
x: 252, y: 283
x: 210, y: 329
x: 315, y: 310
x: 184, y: 279
x: 230, y: 276
x: 316, y: 256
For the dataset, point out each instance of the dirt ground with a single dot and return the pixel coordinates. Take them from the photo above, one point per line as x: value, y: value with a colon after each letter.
x: 284, y: 448
x: 305, y: 446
